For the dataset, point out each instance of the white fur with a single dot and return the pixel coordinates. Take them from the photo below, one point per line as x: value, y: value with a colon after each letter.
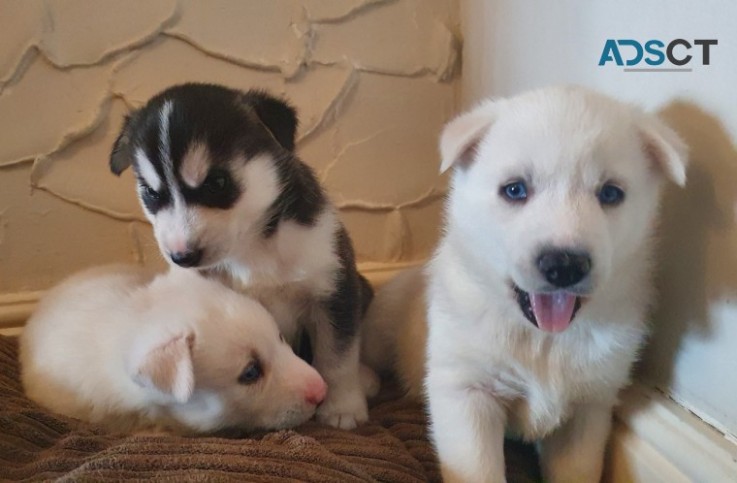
x: 164, y: 148
x: 488, y: 369
x: 147, y: 171
x: 120, y: 347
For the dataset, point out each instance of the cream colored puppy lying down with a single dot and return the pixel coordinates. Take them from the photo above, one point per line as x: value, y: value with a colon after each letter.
x: 119, y: 346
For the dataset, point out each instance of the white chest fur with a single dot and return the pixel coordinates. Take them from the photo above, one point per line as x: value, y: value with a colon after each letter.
x: 288, y: 272
x: 478, y: 337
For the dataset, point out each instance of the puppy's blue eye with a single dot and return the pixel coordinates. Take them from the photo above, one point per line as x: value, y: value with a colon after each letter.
x: 251, y: 373
x: 515, y: 191
x: 610, y: 195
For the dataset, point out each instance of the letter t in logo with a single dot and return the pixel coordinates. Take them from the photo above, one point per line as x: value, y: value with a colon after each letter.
x: 705, y: 43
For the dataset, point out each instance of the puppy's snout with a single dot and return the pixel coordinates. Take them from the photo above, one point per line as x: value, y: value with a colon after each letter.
x: 189, y: 258
x: 315, y: 391
x: 564, y: 268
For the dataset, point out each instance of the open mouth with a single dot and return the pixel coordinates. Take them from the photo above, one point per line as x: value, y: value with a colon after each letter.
x: 549, y: 311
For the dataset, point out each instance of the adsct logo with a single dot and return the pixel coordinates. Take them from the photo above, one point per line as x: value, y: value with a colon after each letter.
x: 658, y: 56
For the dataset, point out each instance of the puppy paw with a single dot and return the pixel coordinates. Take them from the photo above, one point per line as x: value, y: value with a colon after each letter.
x: 344, y: 408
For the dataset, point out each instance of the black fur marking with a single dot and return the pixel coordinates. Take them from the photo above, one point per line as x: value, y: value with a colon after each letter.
x: 301, y: 198
x: 276, y: 114
x: 148, y: 138
x: 218, y: 190
x: 121, y: 156
x: 351, y: 297
x: 210, y: 114
x: 138, y: 131
x: 228, y: 122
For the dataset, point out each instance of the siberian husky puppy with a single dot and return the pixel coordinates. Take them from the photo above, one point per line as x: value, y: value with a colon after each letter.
x: 227, y: 196
x: 533, y: 308
x: 177, y: 352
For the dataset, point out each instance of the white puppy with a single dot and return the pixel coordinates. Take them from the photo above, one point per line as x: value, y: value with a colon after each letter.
x: 177, y: 352
x: 538, y: 292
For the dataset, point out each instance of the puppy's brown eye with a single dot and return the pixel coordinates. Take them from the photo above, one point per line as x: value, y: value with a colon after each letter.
x: 150, y: 193
x: 153, y: 200
x: 216, y: 181
x: 218, y: 190
x: 251, y: 373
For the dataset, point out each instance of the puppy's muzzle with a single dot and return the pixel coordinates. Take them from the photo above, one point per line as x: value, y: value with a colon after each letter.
x: 190, y: 258
x: 564, y: 268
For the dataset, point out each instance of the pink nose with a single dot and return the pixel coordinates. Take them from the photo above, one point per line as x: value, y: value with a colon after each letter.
x: 315, y: 391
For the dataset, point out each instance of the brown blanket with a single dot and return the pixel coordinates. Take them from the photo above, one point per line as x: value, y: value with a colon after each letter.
x: 393, y: 447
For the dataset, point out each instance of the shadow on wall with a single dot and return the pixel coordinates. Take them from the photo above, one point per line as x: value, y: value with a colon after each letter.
x: 697, y: 243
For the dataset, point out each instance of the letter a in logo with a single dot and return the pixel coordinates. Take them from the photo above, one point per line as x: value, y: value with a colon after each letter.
x: 610, y: 52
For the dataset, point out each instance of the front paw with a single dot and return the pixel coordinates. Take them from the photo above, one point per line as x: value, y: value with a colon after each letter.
x: 344, y: 408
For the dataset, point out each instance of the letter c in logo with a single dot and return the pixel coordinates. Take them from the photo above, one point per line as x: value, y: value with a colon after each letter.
x: 669, y: 52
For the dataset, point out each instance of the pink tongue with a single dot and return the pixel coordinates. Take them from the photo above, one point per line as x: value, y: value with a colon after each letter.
x: 553, y: 311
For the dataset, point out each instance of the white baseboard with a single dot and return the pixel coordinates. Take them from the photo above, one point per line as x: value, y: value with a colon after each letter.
x: 15, y: 309
x: 656, y: 440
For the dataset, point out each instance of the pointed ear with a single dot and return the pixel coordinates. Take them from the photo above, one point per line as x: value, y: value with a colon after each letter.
x: 276, y: 114
x: 167, y: 367
x: 121, y: 156
x: 461, y: 136
x: 665, y: 149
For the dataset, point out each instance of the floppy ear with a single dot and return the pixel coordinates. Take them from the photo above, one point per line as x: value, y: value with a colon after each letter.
x: 277, y: 115
x: 461, y: 136
x: 167, y: 367
x: 665, y: 149
x: 122, y: 155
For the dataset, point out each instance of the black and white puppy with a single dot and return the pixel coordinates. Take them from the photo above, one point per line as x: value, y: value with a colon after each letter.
x: 220, y: 182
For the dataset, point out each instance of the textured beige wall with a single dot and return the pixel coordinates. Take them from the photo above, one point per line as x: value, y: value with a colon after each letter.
x: 374, y: 80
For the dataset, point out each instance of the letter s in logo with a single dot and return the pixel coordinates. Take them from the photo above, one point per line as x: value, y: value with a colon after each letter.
x: 658, y: 53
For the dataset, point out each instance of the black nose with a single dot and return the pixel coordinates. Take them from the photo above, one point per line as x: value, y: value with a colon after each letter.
x: 564, y: 268
x: 189, y: 258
